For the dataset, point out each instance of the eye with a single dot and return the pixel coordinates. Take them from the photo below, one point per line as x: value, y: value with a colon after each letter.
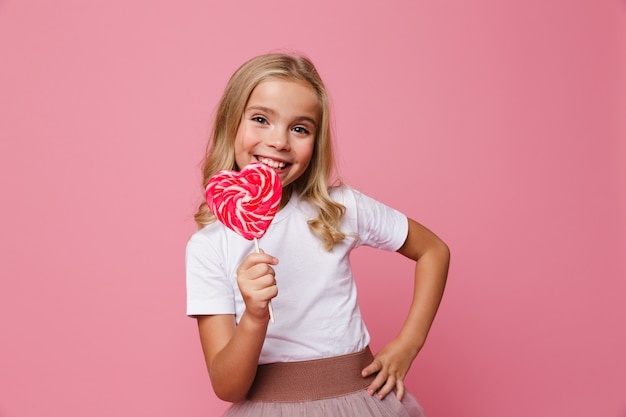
x: 301, y: 129
x: 259, y: 119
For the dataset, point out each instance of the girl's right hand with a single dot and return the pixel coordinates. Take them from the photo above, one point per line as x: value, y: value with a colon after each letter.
x: 257, y: 283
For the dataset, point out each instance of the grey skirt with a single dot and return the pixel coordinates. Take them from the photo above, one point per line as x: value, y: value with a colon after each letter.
x: 320, y: 388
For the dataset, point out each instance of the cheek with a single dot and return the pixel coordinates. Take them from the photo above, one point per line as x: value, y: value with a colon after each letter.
x: 304, y: 147
x: 307, y: 150
x: 241, y: 149
x: 242, y: 141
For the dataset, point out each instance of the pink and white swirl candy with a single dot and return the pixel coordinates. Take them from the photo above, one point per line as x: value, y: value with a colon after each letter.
x: 245, y: 201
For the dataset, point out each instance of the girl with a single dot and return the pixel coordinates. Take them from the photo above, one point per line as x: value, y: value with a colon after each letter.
x: 314, y: 360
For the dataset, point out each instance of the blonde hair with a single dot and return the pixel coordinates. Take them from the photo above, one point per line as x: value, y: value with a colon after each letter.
x: 313, y: 185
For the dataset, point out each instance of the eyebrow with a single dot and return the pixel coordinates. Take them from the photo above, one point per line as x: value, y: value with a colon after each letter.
x: 261, y: 108
x: 273, y: 113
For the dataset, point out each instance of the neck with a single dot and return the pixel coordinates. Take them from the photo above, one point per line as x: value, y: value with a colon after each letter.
x: 284, y: 199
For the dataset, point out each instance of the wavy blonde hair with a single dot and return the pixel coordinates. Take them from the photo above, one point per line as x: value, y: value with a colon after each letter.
x: 313, y: 185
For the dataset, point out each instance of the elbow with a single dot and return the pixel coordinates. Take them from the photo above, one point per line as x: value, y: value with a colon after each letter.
x: 228, y: 391
x: 229, y: 397
x: 437, y: 250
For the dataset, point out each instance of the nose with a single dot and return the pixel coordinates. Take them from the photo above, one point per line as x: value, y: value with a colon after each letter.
x: 279, y: 139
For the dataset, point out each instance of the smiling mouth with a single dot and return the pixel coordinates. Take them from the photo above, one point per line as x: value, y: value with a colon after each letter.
x: 271, y: 162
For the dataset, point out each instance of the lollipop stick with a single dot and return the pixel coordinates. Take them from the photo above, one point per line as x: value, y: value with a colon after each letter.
x: 269, y: 304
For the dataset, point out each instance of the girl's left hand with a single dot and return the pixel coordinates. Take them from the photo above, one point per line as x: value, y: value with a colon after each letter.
x: 392, y: 364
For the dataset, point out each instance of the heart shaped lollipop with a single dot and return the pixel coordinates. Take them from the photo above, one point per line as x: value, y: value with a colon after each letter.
x: 245, y: 201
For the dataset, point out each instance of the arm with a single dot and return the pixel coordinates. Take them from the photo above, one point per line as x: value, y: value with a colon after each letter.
x: 232, y: 351
x: 432, y: 258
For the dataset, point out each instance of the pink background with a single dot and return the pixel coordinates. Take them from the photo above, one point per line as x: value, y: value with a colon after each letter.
x: 498, y: 124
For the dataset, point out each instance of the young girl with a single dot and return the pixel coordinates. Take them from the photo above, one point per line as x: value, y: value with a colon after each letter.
x: 314, y: 360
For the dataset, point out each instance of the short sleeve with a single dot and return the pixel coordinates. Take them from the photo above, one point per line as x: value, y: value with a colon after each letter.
x: 209, y: 291
x: 377, y: 224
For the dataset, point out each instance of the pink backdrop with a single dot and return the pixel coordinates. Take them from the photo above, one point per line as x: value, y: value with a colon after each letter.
x: 498, y: 124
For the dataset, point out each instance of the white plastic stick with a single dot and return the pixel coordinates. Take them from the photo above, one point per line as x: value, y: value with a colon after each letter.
x: 269, y: 304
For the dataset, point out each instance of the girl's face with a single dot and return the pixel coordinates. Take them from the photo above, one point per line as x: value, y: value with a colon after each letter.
x: 278, y: 128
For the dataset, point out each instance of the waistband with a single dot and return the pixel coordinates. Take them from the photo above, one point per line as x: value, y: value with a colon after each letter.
x: 311, y: 380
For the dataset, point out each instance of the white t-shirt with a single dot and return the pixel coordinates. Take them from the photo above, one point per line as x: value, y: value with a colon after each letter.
x: 316, y: 310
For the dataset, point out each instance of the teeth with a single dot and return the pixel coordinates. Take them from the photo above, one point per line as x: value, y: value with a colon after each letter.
x: 272, y: 163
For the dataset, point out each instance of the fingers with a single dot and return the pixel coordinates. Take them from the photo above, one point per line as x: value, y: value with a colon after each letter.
x: 372, y: 368
x: 385, y: 381
x: 399, y: 389
x: 260, y: 277
x: 257, y: 266
x: 254, y: 259
x: 257, y: 283
x: 382, y: 385
x: 376, y: 367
